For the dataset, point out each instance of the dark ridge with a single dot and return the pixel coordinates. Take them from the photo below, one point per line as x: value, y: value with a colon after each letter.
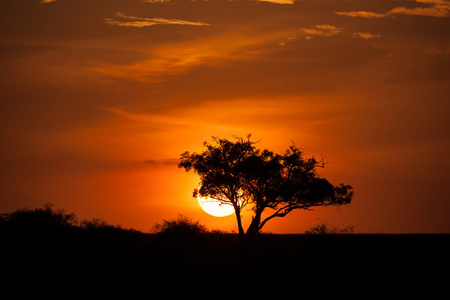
x: 70, y: 261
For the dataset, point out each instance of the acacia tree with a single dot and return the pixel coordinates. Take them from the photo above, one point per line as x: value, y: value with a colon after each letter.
x: 236, y: 173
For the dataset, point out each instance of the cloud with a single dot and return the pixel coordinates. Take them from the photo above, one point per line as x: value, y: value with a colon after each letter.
x: 322, y: 30
x: 330, y: 30
x: 165, y: 162
x: 365, y: 35
x: 439, y: 8
x: 48, y: 1
x: 277, y: 1
x: 434, y: 50
x: 176, y: 58
x: 155, y: 1
x: 361, y: 14
x: 436, y: 8
x: 144, y: 22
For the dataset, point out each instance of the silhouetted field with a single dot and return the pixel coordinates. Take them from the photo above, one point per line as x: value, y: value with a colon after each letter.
x: 73, y: 262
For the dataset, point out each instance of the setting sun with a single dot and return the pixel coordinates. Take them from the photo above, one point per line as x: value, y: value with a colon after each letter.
x: 215, y: 208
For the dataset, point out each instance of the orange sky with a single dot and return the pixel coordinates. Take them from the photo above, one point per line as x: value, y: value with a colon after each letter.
x: 100, y: 97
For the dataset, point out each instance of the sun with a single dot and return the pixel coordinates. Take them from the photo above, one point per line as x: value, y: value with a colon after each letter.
x: 215, y: 208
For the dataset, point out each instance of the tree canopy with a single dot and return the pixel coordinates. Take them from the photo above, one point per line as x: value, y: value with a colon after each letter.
x: 236, y: 173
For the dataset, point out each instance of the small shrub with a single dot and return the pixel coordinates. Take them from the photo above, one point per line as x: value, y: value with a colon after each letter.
x: 323, y: 228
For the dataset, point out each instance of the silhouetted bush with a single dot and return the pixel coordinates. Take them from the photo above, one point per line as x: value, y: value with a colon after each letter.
x: 39, y: 219
x: 100, y: 225
x: 47, y: 220
x: 218, y: 232
x: 323, y: 228
x: 182, y: 226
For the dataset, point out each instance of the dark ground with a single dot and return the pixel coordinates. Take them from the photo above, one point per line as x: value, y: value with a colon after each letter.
x: 89, y: 264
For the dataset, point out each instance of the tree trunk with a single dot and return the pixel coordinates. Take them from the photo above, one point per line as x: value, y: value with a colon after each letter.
x: 239, y: 222
x: 254, y: 226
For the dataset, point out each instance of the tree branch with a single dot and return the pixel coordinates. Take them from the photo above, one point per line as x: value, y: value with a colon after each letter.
x: 283, y: 211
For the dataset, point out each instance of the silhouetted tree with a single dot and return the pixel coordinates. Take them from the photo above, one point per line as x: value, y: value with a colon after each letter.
x: 237, y: 173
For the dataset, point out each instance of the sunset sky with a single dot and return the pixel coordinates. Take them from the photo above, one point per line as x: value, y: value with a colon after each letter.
x: 100, y: 97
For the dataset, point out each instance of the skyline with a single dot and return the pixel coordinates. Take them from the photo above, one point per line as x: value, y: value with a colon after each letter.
x: 100, y: 98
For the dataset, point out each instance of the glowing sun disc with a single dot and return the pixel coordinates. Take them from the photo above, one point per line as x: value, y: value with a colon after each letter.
x: 215, y: 208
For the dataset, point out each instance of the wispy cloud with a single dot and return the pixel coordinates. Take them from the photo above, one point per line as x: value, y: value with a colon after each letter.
x: 130, y: 21
x: 361, y: 14
x: 322, y: 30
x: 48, y: 1
x: 155, y: 1
x: 434, y: 50
x: 365, y: 35
x: 436, y: 8
x: 277, y: 1
x: 165, y: 162
x: 330, y: 30
x: 176, y: 58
